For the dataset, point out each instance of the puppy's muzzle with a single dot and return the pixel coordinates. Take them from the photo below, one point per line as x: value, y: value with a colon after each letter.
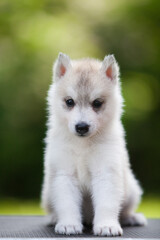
x: 82, y: 128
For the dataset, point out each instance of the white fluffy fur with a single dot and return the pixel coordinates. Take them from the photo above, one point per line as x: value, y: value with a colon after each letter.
x: 88, y: 179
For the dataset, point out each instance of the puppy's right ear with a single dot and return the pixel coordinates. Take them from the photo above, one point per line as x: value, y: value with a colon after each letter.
x: 61, y: 66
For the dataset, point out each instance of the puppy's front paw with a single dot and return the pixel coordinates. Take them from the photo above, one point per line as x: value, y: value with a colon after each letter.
x: 68, y: 228
x: 108, y: 230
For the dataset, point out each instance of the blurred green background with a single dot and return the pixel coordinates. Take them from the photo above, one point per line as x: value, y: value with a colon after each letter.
x: 32, y: 32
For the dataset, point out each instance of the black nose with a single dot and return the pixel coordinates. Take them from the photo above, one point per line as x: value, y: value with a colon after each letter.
x: 82, y: 128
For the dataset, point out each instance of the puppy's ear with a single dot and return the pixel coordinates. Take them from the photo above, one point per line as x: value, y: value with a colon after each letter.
x: 61, y: 66
x: 110, y: 68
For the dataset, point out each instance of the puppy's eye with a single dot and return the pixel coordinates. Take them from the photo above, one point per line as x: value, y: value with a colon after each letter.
x: 70, y: 102
x: 97, y: 103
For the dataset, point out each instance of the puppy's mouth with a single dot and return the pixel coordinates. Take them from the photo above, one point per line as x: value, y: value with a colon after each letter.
x: 82, y: 134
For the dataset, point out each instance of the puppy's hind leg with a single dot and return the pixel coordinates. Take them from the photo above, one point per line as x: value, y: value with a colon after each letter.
x: 128, y: 215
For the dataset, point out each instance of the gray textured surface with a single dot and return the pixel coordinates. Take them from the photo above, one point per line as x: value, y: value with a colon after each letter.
x: 36, y: 227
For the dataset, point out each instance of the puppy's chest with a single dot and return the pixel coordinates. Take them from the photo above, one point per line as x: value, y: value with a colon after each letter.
x: 83, y: 174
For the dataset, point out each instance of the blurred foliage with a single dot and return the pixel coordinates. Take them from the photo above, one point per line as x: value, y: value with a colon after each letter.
x: 32, y: 32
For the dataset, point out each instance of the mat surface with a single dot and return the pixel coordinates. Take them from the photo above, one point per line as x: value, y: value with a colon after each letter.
x: 36, y: 227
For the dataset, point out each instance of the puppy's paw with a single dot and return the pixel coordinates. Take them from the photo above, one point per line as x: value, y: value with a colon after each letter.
x: 135, y: 219
x: 108, y: 230
x: 68, y: 228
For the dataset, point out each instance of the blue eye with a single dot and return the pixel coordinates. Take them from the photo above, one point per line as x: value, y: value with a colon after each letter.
x: 70, y: 102
x: 97, y: 103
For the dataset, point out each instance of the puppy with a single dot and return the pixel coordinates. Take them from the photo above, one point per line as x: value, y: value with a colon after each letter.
x: 87, y: 174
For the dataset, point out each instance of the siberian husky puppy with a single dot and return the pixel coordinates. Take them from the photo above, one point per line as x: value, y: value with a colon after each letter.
x: 87, y: 174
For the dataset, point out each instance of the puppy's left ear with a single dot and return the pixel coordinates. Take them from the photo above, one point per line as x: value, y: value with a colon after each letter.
x: 61, y: 66
x: 110, y: 68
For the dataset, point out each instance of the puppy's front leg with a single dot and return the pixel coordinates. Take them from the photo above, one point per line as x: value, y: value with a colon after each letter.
x: 67, y: 204
x: 106, y: 200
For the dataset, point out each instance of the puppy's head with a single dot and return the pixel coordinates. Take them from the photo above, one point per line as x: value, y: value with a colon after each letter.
x: 86, y: 94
